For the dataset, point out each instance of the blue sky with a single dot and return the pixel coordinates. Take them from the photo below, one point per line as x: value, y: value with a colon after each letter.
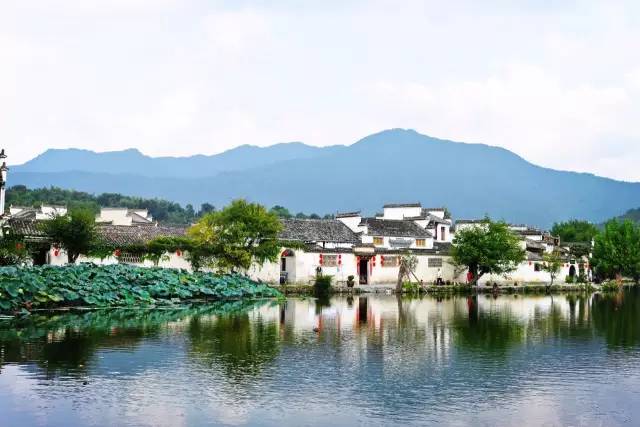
x: 556, y: 82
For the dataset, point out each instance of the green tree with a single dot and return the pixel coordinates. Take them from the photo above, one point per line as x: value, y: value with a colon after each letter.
x: 574, y: 231
x: 552, y: 263
x: 75, y: 232
x: 12, y: 250
x: 205, y: 208
x: 281, y: 211
x: 487, y: 248
x: 238, y: 235
x: 617, y: 250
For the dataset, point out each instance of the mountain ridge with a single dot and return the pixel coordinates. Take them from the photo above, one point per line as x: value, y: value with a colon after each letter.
x: 470, y: 179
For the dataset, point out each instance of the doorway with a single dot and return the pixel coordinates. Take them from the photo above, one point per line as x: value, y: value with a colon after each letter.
x: 363, y: 268
x: 40, y: 257
x: 572, y: 271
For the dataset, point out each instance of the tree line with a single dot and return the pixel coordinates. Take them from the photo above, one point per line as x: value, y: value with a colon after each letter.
x: 164, y: 211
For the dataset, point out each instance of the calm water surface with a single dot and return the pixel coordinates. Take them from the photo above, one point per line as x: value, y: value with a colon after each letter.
x: 374, y: 360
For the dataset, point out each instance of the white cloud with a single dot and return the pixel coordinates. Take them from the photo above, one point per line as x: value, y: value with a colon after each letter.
x: 236, y: 30
x: 557, y: 84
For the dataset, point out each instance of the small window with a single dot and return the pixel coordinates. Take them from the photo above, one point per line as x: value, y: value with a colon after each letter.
x: 537, y: 267
x: 390, y: 261
x: 127, y: 258
x: 435, y: 262
x: 330, y: 260
x: 378, y: 241
x: 421, y: 243
x: 283, y: 264
x: 443, y: 233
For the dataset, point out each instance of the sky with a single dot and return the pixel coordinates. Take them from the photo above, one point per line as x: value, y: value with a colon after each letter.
x: 556, y: 82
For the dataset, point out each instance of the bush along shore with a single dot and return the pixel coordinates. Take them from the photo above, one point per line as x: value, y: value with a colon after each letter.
x: 25, y: 289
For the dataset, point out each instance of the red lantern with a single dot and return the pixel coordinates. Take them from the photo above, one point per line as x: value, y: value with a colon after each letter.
x: 339, y: 259
x: 117, y: 252
x: 19, y: 246
x: 382, y: 260
x: 321, y: 260
x: 529, y: 262
x: 178, y: 252
x: 56, y: 251
x: 373, y: 261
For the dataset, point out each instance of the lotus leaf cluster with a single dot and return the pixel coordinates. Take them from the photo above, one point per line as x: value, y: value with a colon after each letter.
x: 117, y: 285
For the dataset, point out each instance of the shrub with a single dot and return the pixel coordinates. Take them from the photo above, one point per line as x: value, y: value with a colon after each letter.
x: 611, y: 285
x: 322, y: 284
x: 568, y: 279
x: 411, y: 287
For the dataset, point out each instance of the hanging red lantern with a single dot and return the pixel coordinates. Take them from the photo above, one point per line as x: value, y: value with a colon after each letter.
x: 321, y: 260
x: 339, y: 259
x: 382, y: 260
x: 19, y: 246
x: 56, y: 251
x: 530, y: 263
x: 178, y: 252
x: 117, y: 252
x: 373, y: 261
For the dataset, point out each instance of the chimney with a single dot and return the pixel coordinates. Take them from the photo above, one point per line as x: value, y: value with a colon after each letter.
x: 3, y: 181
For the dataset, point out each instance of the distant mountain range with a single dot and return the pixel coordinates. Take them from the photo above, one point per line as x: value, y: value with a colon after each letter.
x: 391, y: 166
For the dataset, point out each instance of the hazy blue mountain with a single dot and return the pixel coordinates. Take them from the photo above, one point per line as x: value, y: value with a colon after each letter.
x: 392, y: 166
x: 134, y: 162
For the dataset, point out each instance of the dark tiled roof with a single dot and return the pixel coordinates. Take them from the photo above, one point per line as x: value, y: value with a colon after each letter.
x: 26, y: 228
x: 317, y: 230
x: 402, y: 205
x: 433, y: 209
x: 529, y: 232
x: 394, y: 228
x: 534, y: 256
x: 470, y: 221
x: 532, y: 244
x: 347, y: 214
x: 25, y: 214
x: 126, y: 235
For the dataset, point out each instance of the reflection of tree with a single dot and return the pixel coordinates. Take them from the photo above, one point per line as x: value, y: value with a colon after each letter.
x: 65, y: 344
x: 239, y: 344
x: 617, y: 317
x: 490, y: 331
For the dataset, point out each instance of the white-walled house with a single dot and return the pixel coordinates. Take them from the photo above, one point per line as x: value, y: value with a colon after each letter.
x: 368, y: 248
x: 124, y: 216
x: 41, y: 213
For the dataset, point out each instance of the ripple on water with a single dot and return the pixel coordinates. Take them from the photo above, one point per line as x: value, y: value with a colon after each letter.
x: 507, y: 361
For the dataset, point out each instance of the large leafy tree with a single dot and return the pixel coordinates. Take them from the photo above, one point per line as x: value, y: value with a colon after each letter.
x: 75, y: 232
x: 487, y: 248
x: 238, y: 235
x: 575, y: 231
x: 617, y: 250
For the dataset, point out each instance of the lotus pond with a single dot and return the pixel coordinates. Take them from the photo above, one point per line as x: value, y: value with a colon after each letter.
x: 25, y: 289
x: 362, y: 360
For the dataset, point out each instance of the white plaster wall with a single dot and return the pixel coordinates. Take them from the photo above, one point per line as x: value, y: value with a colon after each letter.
x: 115, y: 216
x: 352, y: 222
x: 401, y: 212
x: 438, y: 213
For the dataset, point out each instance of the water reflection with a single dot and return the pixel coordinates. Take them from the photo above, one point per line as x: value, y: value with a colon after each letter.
x: 391, y: 360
